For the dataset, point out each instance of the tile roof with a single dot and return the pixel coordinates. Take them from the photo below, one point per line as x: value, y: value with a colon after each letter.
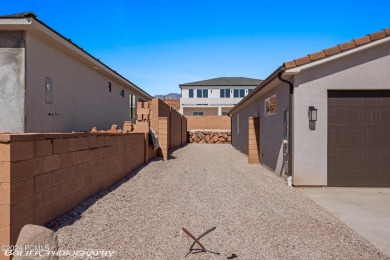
x: 21, y: 15
x: 355, y: 43
x: 225, y: 81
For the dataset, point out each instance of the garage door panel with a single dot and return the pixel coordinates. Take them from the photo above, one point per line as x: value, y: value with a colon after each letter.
x: 350, y: 156
x: 373, y: 116
x: 359, y: 138
x: 357, y: 177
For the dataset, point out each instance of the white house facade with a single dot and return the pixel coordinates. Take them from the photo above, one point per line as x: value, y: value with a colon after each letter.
x: 214, y: 96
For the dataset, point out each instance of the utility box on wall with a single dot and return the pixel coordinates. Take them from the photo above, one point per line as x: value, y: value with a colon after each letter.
x: 48, y: 90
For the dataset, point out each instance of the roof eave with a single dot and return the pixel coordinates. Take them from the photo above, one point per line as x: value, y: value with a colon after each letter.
x: 263, y: 84
x: 298, y: 69
x: 30, y: 21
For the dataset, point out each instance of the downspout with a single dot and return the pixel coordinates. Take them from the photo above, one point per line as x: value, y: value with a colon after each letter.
x: 291, y: 87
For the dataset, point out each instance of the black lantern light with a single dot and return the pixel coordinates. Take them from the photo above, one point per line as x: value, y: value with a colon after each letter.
x: 312, y: 114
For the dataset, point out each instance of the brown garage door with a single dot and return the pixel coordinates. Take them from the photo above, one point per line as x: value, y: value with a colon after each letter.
x: 359, y: 138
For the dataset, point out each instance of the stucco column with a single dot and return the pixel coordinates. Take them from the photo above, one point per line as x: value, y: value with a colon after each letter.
x: 220, y: 111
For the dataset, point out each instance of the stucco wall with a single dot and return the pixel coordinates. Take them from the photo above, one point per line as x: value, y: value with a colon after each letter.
x: 207, y: 111
x: 12, y: 78
x: 81, y: 98
x: 240, y: 126
x: 271, y: 128
x: 368, y: 69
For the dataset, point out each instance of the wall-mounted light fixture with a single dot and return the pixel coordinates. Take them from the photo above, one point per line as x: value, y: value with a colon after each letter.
x: 312, y: 114
x: 109, y: 86
x: 312, y: 118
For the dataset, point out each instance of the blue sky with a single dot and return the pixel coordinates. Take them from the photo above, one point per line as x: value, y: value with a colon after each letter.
x: 159, y: 44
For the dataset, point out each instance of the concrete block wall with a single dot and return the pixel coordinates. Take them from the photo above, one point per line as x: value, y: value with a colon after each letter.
x: 163, y: 137
x: 175, y: 131
x: 253, y: 140
x: 177, y: 136
x: 143, y: 126
x: 183, y: 130
x: 44, y: 175
x: 209, y: 122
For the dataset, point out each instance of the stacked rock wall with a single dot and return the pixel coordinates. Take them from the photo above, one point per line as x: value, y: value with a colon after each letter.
x: 209, y: 137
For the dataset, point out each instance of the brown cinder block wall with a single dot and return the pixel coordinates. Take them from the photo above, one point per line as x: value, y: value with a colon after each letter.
x: 183, y: 130
x: 175, y: 132
x: 253, y: 140
x: 44, y: 175
x: 176, y: 137
x: 209, y: 122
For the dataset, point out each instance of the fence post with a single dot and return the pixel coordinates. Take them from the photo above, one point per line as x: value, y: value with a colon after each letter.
x: 254, y: 140
x: 163, y: 134
x: 143, y: 125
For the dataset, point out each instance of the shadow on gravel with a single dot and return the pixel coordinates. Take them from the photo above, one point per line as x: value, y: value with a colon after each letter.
x: 75, y: 214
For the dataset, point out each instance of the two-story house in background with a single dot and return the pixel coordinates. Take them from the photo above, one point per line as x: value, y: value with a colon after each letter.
x: 214, y: 96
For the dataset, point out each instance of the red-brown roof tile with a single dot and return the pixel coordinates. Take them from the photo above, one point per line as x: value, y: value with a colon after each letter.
x: 303, y: 60
x: 337, y: 49
x: 347, y: 45
x: 317, y: 55
x: 362, y: 40
x: 290, y: 64
x: 332, y: 50
x: 378, y: 35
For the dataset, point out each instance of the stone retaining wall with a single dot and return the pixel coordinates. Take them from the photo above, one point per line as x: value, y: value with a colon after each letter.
x: 209, y: 137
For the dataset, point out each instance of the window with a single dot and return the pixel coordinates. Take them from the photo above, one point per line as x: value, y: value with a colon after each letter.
x: 121, y: 92
x: 205, y: 93
x: 236, y: 93
x: 249, y: 90
x: 132, y: 106
x: 239, y: 93
x: 191, y: 93
x: 270, y: 105
x: 202, y: 93
x: 198, y: 93
x: 225, y: 93
x: 197, y: 113
x: 224, y: 113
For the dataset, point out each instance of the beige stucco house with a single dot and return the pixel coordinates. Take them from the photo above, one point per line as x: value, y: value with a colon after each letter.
x: 324, y: 118
x: 49, y: 84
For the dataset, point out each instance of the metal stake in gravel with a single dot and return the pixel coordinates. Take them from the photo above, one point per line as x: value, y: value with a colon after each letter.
x: 196, y: 240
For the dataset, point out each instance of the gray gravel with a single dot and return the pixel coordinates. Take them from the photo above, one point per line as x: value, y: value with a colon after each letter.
x: 255, y: 214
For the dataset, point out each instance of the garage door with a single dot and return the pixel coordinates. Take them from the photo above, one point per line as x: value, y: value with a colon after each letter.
x: 359, y: 138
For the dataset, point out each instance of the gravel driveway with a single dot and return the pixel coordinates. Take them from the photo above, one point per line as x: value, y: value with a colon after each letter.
x: 255, y: 214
